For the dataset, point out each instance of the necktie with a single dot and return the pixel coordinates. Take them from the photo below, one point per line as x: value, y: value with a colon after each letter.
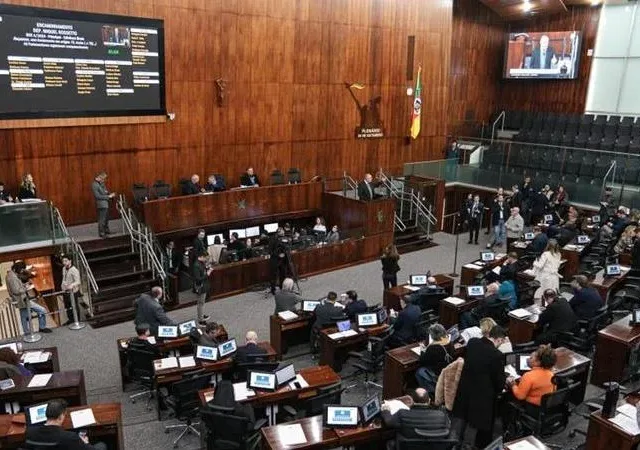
x: 369, y: 188
x: 170, y: 260
x: 543, y: 60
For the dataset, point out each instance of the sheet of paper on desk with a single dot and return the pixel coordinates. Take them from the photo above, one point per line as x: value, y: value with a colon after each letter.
x: 511, y: 371
x: 82, y: 418
x: 417, y: 350
x: 500, y: 255
x: 300, y: 379
x: 343, y: 334
x: 151, y: 340
x: 472, y: 266
x: 628, y: 410
x: 240, y: 391
x: 524, y: 364
x: 36, y: 357
x: 628, y: 424
x: 522, y: 445
x: 412, y: 288
x: 454, y: 300
x: 187, y: 361
x: 394, y: 405
x: 291, y: 434
x: 520, y: 313
x: 39, y: 380
x: 287, y: 315
x: 167, y: 363
x: 496, y: 270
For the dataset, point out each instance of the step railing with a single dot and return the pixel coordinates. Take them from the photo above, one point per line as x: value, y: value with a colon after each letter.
x: 349, y: 185
x: 500, y: 117
x: 143, y: 242
x: 71, y: 247
x: 409, y: 202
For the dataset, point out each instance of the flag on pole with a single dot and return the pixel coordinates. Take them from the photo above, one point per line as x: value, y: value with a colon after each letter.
x: 417, y: 108
x: 357, y: 86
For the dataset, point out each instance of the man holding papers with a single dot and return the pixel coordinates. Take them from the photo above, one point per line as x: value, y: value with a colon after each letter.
x: 556, y: 318
x: 420, y: 415
x: 54, y: 436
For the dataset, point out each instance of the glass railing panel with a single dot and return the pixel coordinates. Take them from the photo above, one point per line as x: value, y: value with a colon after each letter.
x: 25, y: 223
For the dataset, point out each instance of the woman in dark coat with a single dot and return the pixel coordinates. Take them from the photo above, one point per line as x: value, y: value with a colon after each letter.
x: 481, y: 381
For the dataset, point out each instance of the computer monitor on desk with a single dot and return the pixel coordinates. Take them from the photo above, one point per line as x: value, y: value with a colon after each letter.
x: 613, y: 270
x: 285, y: 374
x: 252, y: 232
x: 487, y: 256
x: 475, y: 291
x: 212, y: 237
x: 208, y: 353
x: 367, y: 320
x: 227, y: 348
x: 241, y: 232
x: 309, y: 305
x: 271, y: 227
x: 343, y: 325
x: 36, y: 414
x: 336, y: 416
x: 370, y: 409
x: 265, y: 381
x: 185, y: 327
x: 529, y: 236
x: 167, y: 332
x: 418, y: 280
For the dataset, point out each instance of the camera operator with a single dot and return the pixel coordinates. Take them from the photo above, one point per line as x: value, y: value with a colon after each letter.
x: 278, y: 254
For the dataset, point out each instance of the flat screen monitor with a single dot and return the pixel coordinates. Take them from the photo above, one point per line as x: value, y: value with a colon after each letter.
x: 227, y: 348
x: 582, y: 239
x: 523, y: 363
x: 185, y: 327
x: 487, y: 256
x: 36, y: 414
x: 285, y: 374
x: 595, y: 219
x: 340, y: 416
x: 382, y: 315
x: 271, y: 227
x: 370, y: 409
x: 542, y: 55
x: 635, y: 318
x: 343, y: 325
x: 241, y: 232
x: 418, y: 280
x: 212, y: 237
x: 475, y: 291
x: 613, y: 270
x: 261, y: 380
x: 56, y: 63
x: 205, y: 352
x: 454, y: 333
x: 367, y: 319
x: 309, y: 305
x: 548, y: 218
x: 529, y: 236
x: 252, y: 232
x: 13, y: 346
x: 165, y: 331
x: 498, y: 444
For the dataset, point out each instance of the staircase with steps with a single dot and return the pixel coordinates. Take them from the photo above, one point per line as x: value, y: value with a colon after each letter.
x: 120, y: 276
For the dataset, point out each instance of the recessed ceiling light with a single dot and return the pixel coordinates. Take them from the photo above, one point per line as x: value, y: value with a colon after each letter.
x: 526, y: 6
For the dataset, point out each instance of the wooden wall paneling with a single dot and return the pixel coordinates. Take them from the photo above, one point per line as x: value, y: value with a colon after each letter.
x: 309, y: 112
x: 349, y: 214
x: 311, y: 53
x: 379, y: 217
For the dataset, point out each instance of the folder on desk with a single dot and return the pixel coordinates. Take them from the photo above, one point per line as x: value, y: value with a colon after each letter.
x: 187, y: 361
x: 287, y: 315
x: 454, y: 300
x: 166, y: 363
x: 82, y: 418
x: 40, y: 380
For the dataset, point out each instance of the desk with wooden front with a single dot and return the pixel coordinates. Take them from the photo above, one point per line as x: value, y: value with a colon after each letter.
x: 523, y: 329
x: 451, y: 309
x: 289, y: 332
x: 605, y: 284
x: 52, y: 364
x: 391, y: 297
x: 334, y: 351
x: 107, y: 429
x: 616, y: 348
x: 469, y: 271
x: 66, y: 385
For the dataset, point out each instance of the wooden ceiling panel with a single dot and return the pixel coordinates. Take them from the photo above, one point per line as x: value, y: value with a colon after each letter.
x: 513, y: 10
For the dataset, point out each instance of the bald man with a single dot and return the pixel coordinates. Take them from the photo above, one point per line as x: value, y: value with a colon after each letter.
x: 149, y: 311
x: 192, y: 186
x: 250, y: 349
x: 543, y: 56
x: 365, y: 188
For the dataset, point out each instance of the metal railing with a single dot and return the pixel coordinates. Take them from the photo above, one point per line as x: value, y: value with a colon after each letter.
x: 71, y: 247
x: 349, y: 185
x: 143, y: 242
x: 502, y: 117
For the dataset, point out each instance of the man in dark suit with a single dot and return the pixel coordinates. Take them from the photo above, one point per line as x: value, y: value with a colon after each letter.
x: 172, y: 258
x: 102, y: 196
x: 557, y: 317
x: 365, y: 188
x: 543, y: 55
x: 141, y: 341
x: 249, y: 178
x: 420, y: 415
x: 198, y: 248
x: 474, y: 217
x: 149, y: 311
x: 539, y: 242
x: 250, y: 348
x: 404, y: 322
x: 286, y: 299
x: 354, y: 305
x: 327, y: 312
x: 509, y: 269
x: 586, y: 300
x: 214, y: 184
x: 201, y: 285
x: 192, y: 186
x: 481, y: 381
x: 52, y: 432
x: 635, y: 251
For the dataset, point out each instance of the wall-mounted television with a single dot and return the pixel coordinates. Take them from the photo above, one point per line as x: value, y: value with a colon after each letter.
x: 546, y: 55
x: 56, y: 63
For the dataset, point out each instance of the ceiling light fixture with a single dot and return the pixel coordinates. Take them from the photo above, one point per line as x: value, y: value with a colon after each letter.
x: 526, y: 6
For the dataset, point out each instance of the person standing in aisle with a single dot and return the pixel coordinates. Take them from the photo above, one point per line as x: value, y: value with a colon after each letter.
x: 102, y: 196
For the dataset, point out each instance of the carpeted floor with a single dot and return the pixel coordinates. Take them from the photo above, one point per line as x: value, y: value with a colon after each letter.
x: 95, y: 351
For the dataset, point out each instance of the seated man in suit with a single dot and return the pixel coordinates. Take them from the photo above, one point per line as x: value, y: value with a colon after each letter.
x: 586, y: 300
x: 509, y: 269
x: 366, y: 187
x: 404, y: 323
x: 52, y: 433
x: 213, y: 184
x: 141, y: 341
x: 250, y: 348
x: 420, y: 415
x: 555, y: 319
x: 286, y: 298
x: 192, y: 186
x: 539, y: 242
x: 327, y: 312
x: 148, y: 310
x: 172, y: 258
x: 210, y: 337
x: 491, y: 298
x: 249, y: 178
x: 354, y: 305
x: 235, y: 244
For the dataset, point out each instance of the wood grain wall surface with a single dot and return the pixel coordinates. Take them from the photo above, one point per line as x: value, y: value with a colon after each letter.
x: 285, y: 62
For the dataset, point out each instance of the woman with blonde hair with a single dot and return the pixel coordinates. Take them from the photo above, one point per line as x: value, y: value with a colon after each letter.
x: 390, y: 267
x: 545, y: 268
x: 27, y: 188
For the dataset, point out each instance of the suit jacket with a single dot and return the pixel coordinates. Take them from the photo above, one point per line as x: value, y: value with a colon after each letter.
x: 8, y: 371
x: 363, y: 191
x: 17, y: 290
x: 218, y: 187
x: 405, y: 324
x: 495, y: 212
x: 474, y: 214
x: 175, y: 260
x: 101, y: 194
x: 536, y: 63
x: 149, y: 310
x: 200, y: 277
x: 199, y: 247
x: 190, y: 188
x: 419, y: 416
x: 325, y: 312
x: 635, y: 255
x: 539, y: 243
x: 143, y: 344
x: 558, y: 316
x: 286, y: 301
x: 354, y: 308
x: 481, y: 381
x: 242, y: 355
x: 245, y: 180
x: 586, y: 302
x: 67, y: 440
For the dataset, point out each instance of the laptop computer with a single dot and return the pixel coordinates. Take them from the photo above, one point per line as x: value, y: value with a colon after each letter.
x: 382, y: 315
x: 166, y: 331
x: 265, y: 381
x: 370, y: 409
x: 454, y: 333
x: 285, y: 374
x: 595, y: 219
x: 529, y: 236
x: 418, y: 280
x: 208, y: 353
x: 367, y: 319
x: 498, y: 444
x: 337, y: 416
x: 582, y: 239
x: 613, y: 270
x: 36, y: 414
x: 309, y: 306
x: 186, y: 327
x: 475, y: 291
x: 343, y: 325
x: 548, y: 218
x: 227, y: 348
x: 487, y: 256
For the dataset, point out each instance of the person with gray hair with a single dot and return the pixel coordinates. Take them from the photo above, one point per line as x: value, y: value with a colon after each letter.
x: 286, y: 298
x: 434, y: 357
x: 149, y: 311
x: 102, y: 197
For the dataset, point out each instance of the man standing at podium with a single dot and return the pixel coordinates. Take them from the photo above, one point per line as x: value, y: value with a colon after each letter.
x: 365, y: 188
x: 102, y: 196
